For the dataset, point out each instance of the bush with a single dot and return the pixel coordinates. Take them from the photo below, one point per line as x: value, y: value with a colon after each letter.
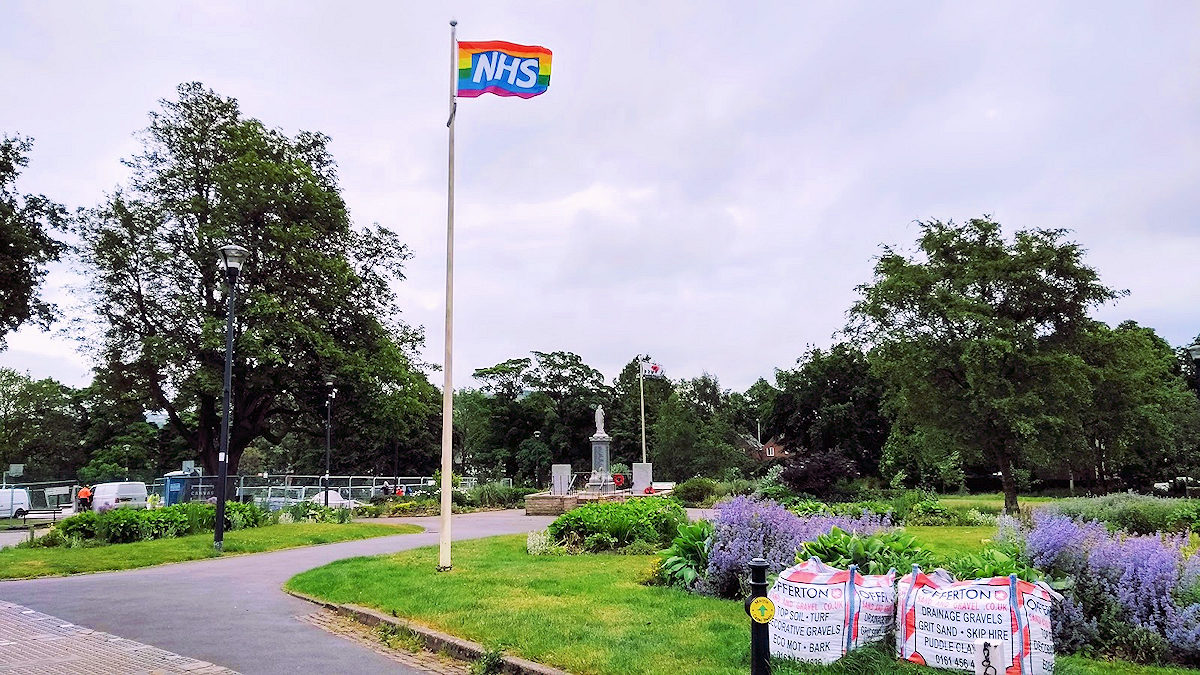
x: 1136, y: 514
x: 772, y: 487
x: 245, y: 514
x: 873, y: 554
x: 695, y: 490
x: 735, y: 487
x: 639, y: 547
x: 119, y: 526
x: 498, y: 495
x: 369, y: 510
x: 163, y: 523
x: 650, y: 519
x: 930, y: 512
x: 824, y: 476
x: 903, y: 503
x: 80, y: 526
x: 313, y: 512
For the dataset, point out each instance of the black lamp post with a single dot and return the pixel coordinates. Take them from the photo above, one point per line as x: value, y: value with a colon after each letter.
x: 328, y: 434
x: 232, y: 257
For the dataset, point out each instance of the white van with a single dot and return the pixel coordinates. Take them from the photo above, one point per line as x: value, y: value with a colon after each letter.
x: 14, y: 502
x: 119, y: 495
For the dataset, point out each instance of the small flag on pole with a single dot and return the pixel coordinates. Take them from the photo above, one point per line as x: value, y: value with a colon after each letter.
x: 652, y: 370
x: 503, y: 69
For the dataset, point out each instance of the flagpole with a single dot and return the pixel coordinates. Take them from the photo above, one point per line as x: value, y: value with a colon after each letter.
x: 642, y: 389
x: 447, y: 486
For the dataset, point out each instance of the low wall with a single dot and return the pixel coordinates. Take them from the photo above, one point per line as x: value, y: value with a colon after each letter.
x: 546, y: 504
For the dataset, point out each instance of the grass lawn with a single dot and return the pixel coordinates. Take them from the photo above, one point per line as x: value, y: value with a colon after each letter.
x: 992, y: 502
x: 587, y: 614
x: 39, y: 562
x: 948, y: 539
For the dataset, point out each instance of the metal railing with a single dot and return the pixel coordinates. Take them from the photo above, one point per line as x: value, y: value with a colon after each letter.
x: 275, y: 491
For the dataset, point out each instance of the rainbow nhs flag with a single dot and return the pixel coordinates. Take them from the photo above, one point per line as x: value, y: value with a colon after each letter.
x: 502, y: 68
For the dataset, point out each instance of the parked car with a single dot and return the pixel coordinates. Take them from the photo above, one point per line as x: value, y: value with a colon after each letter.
x: 126, y: 495
x: 14, y: 502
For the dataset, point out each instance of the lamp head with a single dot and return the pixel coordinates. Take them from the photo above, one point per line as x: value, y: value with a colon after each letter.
x: 231, y: 258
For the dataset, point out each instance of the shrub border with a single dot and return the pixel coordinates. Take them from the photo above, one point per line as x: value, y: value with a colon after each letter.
x: 434, y: 640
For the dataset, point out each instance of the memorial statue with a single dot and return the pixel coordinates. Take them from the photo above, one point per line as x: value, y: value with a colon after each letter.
x: 600, y: 421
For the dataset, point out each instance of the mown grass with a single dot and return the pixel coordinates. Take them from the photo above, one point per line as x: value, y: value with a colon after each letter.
x: 18, y: 563
x: 950, y: 539
x: 587, y: 614
x: 988, y: 502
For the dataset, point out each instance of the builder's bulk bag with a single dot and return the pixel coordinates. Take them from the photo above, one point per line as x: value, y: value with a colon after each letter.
x: 822, y: 612
x: 950, y: 624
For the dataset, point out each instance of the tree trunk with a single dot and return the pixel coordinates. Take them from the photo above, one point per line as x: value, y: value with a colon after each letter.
x: 1010, y: 484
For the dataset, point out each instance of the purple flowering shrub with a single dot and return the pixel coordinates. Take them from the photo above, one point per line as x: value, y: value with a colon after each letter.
x: 747, y: 528
x: 1125, y: 595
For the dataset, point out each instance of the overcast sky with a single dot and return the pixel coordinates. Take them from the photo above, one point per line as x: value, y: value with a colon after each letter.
x: 706, y: 182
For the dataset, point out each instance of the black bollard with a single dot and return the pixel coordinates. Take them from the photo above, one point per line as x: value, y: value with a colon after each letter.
x: 761, y: 611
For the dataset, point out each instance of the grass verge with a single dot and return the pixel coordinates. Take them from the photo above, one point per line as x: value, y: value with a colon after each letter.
x: 18, y: 563
x: 587, y: 613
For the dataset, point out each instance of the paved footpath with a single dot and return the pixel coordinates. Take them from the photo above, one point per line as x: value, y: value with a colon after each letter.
x: 36, y: 643
x: 231, y: 611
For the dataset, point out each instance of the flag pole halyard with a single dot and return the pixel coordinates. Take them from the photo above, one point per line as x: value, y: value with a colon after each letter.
x: 447, y: 486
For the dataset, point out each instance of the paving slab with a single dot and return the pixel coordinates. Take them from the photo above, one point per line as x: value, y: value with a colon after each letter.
x: 37, y: 643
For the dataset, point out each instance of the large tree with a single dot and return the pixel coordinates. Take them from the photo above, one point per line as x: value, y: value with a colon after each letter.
x: 314, y: 301
x: 1141, y: 417
x: 973, y: 336
x: 38, y: 427
x: 832, y: 403
x: 25, y: 243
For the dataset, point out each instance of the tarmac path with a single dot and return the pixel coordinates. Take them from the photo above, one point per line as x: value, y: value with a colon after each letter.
x: 231, y: 611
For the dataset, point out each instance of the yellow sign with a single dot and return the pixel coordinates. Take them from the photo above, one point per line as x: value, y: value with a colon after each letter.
x: 762, y: 610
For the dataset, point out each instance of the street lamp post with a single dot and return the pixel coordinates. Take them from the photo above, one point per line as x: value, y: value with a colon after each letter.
x: 232, y: 257
x: 328, y: 433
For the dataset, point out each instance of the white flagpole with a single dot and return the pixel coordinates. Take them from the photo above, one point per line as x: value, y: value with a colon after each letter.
x: 642, y: 388
x: 444, y: 563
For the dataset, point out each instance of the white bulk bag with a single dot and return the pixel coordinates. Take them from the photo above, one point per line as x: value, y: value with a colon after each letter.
x: 822, y: 612
x: 938, y: 623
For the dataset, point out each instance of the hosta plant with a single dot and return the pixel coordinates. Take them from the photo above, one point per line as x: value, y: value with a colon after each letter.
x: 687, y: 558
x: 873, y: 554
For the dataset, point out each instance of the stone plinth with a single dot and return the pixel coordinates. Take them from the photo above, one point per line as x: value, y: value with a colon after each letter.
x: 560, y: 479
x: 643, y: 477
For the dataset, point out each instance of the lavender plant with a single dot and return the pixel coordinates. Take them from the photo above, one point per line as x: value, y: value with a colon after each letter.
x: 747, y: 528
x: 1129, y: 596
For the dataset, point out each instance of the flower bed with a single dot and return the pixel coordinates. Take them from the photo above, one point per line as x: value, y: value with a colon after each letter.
x: 747, y: 528
x: 1129, y: 596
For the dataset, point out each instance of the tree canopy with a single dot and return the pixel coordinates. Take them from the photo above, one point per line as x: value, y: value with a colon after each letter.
x: 26, y: 246
x: 314, y: 302
x: 974, y: 337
